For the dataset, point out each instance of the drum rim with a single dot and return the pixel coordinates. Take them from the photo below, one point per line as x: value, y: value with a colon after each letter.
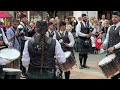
x: 106, y: 62
x: 5, y: 69
x: 9, y: 49
x: 66, y: 52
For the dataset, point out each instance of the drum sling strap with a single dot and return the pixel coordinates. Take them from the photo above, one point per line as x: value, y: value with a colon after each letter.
x: 16, y: 38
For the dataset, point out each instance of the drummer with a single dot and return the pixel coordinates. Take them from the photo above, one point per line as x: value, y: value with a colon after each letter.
x: 67, y: 41
x: 113, y: 38
x: 2, y: 63
x: 39, y: 52
x: 3, y: 43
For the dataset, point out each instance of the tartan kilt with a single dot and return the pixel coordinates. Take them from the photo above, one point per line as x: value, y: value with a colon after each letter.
x: 35, y: 74
x: 82, y: 48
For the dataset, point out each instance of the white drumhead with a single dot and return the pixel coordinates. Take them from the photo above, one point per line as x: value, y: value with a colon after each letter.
x: 9, y: 53
x: 107, y: 59
x: 11, y: 70
x: 67, y: 54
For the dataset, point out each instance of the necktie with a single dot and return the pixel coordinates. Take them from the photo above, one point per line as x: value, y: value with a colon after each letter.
x: 62, y: 34
x: 52, y: 33
x: 114, y: 27
x: 85, y: 24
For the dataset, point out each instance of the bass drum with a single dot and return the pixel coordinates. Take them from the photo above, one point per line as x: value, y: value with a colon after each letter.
x: 12, y: 55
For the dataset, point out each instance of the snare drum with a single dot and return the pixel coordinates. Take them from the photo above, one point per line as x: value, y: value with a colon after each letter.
x: 12, y: 55
x: 11, y: 73
x: 109, y: 65
x: 70, y: 62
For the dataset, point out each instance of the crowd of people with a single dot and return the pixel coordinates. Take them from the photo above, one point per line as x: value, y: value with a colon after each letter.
x: 41, y: 42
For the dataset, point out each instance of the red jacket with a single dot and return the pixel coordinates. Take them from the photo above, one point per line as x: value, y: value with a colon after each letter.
x: 98, y: 42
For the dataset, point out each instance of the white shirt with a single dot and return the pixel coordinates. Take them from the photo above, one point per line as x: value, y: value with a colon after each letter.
x: 47, y: 33
x: 5, y: 38
x: 22, y: 26
x: 117, y: 46
x: 70, y: 36
x: 4, y: 61
x: 78, y: 30
x: 59, y: 54
x: 95, y: 29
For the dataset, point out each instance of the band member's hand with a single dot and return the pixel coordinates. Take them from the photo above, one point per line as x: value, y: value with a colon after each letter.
x: 60, y: 41
x: 90, y: 34
x: 102, y: 46
x: 110, y: 49
x: 16, y: 34
x: 1, y: 43
x: 66, y: 44
x: 87, y: 35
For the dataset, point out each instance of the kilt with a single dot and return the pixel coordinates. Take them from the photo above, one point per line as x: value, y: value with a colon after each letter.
x: 76, y: 44
x: 35, y: 73
x: 82, y: 48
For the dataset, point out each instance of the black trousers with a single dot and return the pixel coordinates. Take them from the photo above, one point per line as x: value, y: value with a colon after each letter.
x: 1, y: 73
x: 21, y: 66
x: 83, y: 57
x: 116, y: 76
x: 67, y: 74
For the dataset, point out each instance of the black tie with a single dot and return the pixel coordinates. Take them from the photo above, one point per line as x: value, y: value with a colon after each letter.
x: 85, y: 24
x: 114, y: 27
x: 62, y: 34
x: 52, y: 33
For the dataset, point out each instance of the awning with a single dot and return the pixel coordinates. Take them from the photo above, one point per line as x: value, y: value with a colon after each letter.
x: 4, y: 14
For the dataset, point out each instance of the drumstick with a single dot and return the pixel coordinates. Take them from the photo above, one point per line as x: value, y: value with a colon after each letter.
x: 2, y: 47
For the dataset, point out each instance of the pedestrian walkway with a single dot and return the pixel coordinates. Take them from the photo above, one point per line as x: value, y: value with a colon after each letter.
x: 94, y: 72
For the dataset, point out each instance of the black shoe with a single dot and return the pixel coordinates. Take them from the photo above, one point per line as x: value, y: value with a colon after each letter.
x: 81, y: 67
x: 85, y: 66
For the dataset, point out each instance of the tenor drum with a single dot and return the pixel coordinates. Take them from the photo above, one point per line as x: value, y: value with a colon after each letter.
x: 12, y: 55
x: 70, y: 62
x: 110, y: 65
x: 11, y: 73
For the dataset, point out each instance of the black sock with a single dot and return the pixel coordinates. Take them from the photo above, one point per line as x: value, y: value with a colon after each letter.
x: 67, y: 74
x: 80, y: 59
x: 116, y: 76
x: 85, y: 59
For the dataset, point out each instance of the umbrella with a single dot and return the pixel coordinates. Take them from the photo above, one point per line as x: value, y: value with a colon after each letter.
x: 4, y: 14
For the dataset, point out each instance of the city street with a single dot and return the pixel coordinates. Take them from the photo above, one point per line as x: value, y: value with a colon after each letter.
x: 94, y: 72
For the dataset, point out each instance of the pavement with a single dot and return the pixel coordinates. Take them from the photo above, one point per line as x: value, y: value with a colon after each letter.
x: 94, y: 72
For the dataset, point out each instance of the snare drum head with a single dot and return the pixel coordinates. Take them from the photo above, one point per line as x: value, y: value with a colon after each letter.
x: 9, y: 53
x: 107, y: 59
x: 11, y: 70
x: 67, y: 54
